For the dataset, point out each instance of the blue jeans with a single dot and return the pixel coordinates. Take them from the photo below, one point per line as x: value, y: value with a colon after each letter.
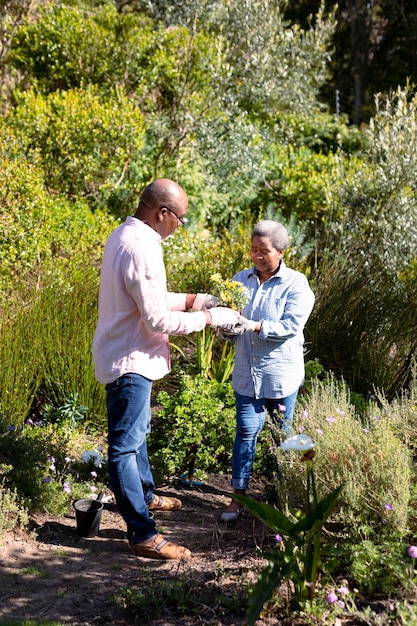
x: 129, y: 422
x: 250, y: 419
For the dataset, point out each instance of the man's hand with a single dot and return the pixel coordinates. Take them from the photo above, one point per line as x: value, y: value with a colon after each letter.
x: 223, y: 317
x: 205, y: 301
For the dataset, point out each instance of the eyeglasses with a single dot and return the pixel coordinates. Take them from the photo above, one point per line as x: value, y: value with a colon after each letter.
x: 182, y: 220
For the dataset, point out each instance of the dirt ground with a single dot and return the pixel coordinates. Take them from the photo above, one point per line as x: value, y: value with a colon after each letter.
x: 53, y: 574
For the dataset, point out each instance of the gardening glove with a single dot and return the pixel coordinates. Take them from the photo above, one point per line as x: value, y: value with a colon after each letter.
x: 224, y: 318
x: 205, y: 301
x: 225, y: 334
x: 243, y: 326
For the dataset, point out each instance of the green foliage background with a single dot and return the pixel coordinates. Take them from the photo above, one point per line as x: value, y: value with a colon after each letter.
x: 224, y: 97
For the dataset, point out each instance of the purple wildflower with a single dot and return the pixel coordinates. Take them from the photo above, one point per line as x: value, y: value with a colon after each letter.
x: 412, y: 551
x: 331, y: 597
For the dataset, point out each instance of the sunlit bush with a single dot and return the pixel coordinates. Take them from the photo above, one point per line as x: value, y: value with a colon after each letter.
x: 352, y: 451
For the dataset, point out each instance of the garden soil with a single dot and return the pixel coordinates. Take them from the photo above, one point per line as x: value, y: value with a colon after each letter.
x: 52, y: 574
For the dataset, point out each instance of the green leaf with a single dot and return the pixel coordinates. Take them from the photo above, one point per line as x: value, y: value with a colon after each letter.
x: 269, y: 579
x: 272, y: 518
x: 319, y: 513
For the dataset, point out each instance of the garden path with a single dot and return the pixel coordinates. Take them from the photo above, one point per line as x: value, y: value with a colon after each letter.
x: 53, y: 574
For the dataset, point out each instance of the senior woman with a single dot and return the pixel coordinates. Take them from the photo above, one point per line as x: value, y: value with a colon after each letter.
x: 269, y: 361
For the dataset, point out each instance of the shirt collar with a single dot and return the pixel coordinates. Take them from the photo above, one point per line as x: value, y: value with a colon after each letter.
x: 134, y: 221
x: 280, y: 274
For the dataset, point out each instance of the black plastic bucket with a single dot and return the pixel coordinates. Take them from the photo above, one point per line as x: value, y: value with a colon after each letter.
x: 88, y: 516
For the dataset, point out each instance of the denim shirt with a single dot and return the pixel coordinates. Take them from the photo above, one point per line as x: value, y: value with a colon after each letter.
x: 270, y: 364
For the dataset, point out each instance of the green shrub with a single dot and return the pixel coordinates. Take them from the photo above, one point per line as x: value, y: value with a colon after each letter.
x: 12, y: 514
x: 376, y: 493
x: 194, y: 427
x: 90, y: 144
x: 43, y: 237
x: 378, y: 566
x: 191, y: 258
x: 43, y: 466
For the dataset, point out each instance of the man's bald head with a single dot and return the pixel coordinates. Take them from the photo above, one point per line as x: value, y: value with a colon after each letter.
x: 164, y: 191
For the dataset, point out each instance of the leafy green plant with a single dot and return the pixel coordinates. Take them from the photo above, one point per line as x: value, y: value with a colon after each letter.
x: 194, y: 427
x: 352, y: 452
x: 385, y: 559
x: 49, y: 473
x: 217, y: 367
x: 12, y: 513
x: 299, y: 561
x: 70, y: 414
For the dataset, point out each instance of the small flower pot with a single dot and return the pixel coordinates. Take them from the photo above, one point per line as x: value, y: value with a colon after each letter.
x: 88, y: 516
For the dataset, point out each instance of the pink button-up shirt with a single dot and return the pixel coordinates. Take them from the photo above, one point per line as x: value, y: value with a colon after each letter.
x: 136, y: 313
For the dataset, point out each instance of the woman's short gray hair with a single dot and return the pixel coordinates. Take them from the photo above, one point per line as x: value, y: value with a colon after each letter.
x: 274, y: 231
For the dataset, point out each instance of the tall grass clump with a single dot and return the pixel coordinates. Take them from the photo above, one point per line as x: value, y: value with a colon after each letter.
x: 365, y: 331
x: 67, y: 339
x: 21, y: 356
x: 45, y: 349
x: 365, y: 455
x: 401, y: 411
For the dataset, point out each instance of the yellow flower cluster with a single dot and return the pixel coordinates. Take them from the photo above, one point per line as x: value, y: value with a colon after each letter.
x: 231, y: 293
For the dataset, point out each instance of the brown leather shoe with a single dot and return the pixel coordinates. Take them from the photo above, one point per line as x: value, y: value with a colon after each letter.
x: 164, y: 504
x: 160, y: 548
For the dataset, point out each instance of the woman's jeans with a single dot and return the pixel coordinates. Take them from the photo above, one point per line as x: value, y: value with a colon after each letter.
x: 250, y: 419
x: 129, y: 422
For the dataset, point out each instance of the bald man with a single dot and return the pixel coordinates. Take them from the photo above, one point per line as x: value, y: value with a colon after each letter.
x: 136, y: 315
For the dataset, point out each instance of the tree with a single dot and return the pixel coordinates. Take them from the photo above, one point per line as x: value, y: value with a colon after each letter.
x: 375, y: 50
x: 364, y: 325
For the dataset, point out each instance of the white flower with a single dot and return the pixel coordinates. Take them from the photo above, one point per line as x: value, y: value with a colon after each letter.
x: 300, y: 443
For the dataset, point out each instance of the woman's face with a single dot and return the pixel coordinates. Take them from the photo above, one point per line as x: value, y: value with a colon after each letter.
x: 264, y: 256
